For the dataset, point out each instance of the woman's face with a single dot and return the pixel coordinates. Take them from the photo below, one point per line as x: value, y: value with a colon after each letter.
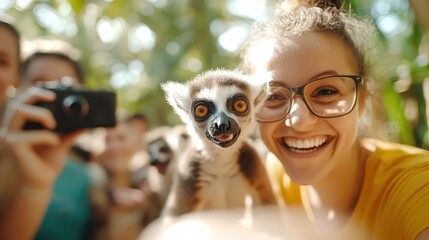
x: 41, y: 70
x: 8, y: 61
x: 293, y: 139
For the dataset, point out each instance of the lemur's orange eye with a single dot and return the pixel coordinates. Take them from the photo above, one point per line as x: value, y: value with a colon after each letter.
x: 201, y: 111
x: 240, y: 106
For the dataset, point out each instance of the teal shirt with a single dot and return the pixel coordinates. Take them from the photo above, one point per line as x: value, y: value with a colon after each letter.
x: 67, y: 216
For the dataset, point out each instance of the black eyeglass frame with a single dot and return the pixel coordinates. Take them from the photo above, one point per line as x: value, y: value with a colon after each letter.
x: 358, y: 79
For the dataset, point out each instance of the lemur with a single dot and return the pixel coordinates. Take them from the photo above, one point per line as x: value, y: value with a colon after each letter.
x: 164, y: 145
x: 220, y: 168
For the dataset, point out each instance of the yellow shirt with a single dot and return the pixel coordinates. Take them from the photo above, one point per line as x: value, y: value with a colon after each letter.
x: 394, y: 200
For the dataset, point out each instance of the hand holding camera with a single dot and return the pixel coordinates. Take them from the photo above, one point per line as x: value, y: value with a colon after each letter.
x: 77, y: 108
x: 34, y: 152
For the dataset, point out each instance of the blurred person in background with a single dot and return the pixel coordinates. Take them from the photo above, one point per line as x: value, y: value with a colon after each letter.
x: 42, y: 67
x: 9, y: 58
x: 30, y: 161
x: 9, y: 74
x: 139, y: 125
x: 134, y: 204
x: 79, y: 201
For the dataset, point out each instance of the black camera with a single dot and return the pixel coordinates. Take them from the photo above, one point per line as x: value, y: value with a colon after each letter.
x: 77, y: 108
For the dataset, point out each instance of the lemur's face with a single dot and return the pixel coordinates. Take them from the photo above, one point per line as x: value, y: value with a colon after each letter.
x: 160, y: 154
x: 217, y: 106
x: 220, y: 113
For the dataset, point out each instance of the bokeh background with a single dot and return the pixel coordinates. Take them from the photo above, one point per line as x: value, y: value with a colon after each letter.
x: 132, y: 46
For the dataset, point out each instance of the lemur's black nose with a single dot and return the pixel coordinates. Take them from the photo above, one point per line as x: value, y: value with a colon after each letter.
x: 223, y: 124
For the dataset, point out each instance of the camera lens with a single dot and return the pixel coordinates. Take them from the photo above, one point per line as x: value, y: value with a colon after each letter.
x: 75, y: 106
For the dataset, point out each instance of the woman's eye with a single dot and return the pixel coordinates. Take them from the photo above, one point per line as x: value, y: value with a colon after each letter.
x: 274, y: 97
x: 275, y: 100
x: 325, y: 92
x: 240, y: 106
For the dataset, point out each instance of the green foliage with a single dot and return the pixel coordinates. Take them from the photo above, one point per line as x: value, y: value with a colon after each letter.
x: 77, y: 5
x: 395, y: 111
x: 404, y: 68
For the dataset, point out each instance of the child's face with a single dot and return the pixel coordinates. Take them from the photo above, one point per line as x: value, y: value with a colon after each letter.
x: 8, y: 61
x: 310, y: 148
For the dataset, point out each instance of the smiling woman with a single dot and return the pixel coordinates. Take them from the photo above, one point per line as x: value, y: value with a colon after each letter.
x: 349, y: 187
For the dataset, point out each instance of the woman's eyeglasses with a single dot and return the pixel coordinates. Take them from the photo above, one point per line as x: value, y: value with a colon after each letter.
x: 326, y: 97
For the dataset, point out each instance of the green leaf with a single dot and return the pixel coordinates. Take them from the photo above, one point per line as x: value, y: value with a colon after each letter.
x: 77, y: 5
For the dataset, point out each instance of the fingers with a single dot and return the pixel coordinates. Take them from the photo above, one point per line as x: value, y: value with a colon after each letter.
x: 33, y: 94
x: 36, y: 137
x: 20, y: 110
x: 44, y: 142
x: 40, y: 154
x: 24, y: 144
x: 24, y: 113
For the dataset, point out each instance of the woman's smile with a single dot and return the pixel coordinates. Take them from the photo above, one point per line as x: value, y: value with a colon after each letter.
x: 305, y: 145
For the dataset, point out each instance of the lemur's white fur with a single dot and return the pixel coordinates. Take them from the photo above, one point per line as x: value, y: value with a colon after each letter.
x: 221, y: 176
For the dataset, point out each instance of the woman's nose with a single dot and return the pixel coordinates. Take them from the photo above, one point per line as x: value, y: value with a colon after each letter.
x: 300, y: 117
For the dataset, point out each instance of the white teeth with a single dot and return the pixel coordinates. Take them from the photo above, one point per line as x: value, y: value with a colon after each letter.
x: 305, y: 143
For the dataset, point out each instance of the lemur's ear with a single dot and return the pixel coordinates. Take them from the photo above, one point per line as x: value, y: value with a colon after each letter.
x: 177, y: 95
